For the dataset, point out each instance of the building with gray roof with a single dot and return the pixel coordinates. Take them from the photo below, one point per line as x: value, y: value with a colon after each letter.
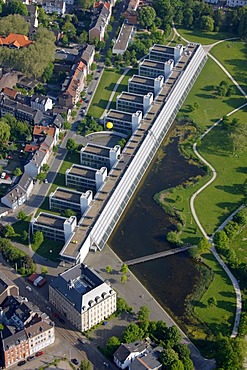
x: 163, y: 53
x: 82, y: 296
x: 124, y: 37
x: 149, y: 361
x: 97, y: 156
x: 129, y: 102
x: 85, y: 178
x: 20, y: 193
x: 153, y: 68
x: 143, y: 85
x: 62, y: 199
x: 123, y: 122
x: 127, y: 352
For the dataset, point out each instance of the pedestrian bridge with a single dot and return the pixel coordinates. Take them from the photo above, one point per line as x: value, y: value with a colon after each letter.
x: 154, y: 256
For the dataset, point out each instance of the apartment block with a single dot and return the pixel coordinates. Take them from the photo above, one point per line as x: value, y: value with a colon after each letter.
x: 20, y: 193
x: 123, y: 39
x: 153, y: 68
x: 62, y: 199
x: 82, y: 296
x: 84, y: 178
x: 143, y: 85
x: 129, y: 102
x: 97, y: 156
x: 54, y: 227
x: 123, y: 122
x: 7, y: 288
x: 164, y: 53
x: 26, y: 330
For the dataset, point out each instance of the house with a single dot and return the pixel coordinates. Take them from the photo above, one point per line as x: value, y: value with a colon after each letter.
x: 131, y: 13
x: 100, y: 21
x: 62, y: 199
x: 149, y: 361
x: 127, y: 352
x: 97, y: 156
x: 123, y: 122
x: 40, y: 102
x: 20, y: 193
x: 129, y: 102
x: 40, y: 133
x: 54, y: 6
x: 26, y: 83
x: 10, y: 93
x: 40, y: 157
x: 124, y: 37
x: 7, y: 288
x: 15, y: 41
x: 73, y: 86
x: 54, y: 227
x: 26, y: 330
x: 82, y: 296
x: 88, y: 56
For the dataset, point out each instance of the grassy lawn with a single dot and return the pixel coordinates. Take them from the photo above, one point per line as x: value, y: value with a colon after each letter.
x: 103, y: 92
x: 46, y: 247
x: 238, y: 244
x: 224, y: 195
x: 203, y: 37
x: 219, y: 317
x: 233, y: 55
x: 210, y: 108
x: 123, y: 86
x: 71, y: 158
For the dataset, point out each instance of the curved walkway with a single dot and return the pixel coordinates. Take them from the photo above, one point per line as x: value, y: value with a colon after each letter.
x: 192, y: 200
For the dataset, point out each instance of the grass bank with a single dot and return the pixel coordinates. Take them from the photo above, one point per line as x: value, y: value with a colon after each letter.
x: 233, y: 56
x: 203, y: 37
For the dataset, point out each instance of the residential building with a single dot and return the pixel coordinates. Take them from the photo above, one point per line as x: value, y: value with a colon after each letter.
x: 73, y: 86
x: 32, y: 20
x: 54, y: 227
x: 26, y: 83
x: 149, y: 361
x: 7, y: 288
x: 10, y: 93
x: 233, y: 3
x: 123, y: 122
x: 85, y: 178
x: 83, y: 297
x: 15, y: 41
x: 20, y: 111
x: 97, y: 156
x: 40, y: 132
x: 54, y: 6
x: 40, y: 102
x: 40, y: 157
x: 124, y: 37
x: 129, y: 102
x: 143, y: 85
x: 131, y: 13
x: 163, y: 53
x: 88, y: 56
x: 127, y: 352
x: 62, y: 199
x: 152, y: 68
x: 19, y: 194
x: 26, y: 330
x: 100, y: 21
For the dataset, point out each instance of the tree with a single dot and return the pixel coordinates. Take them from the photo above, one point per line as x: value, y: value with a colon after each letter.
x: 85, y: 365
x: 28, y: 262
x: 132, y: 333
x: 67, y: 125
x: 203, y: 245
x: 242, y: 28
x: 21, y: 215
x: 17, y: 171
x: 123, y: 279
x: 38, y: 238
x: 231, y: 229
x: 168, y: 357
x: 41, y: 176
x: 24, y: 236
x: 44, y: 270
x: 241, y: 216
x: 48, y: 71
x: 143, y: 314
x: 207, y: 23
x: 71, y: 145
x: 112, y: 344
x: 69, y: 212
x: 108, y: 269
x: 4, y: 132
x: 69, y: 30
x: 124, y: 268
x: 82, y: 38
x: 173, y: 237
x: 1, y: 327
x: 239, y: 137
x: 212, y: 301
x: 9, y: 231
x: 122, y: 306
x: 15, y: 7
x: 220, y: 239
x: 173, y: 336
x: 146, y: 16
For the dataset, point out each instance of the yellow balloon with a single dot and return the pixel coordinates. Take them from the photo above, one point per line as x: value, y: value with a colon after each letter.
x: 109, y: 125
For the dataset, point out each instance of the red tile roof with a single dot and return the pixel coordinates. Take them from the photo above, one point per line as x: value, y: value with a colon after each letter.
x: 16, y: 39
x: 40, y: 130
x: 30, y: 148
x: 11, y: 93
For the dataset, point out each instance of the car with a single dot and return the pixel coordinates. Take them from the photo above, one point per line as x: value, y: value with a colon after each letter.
x: 46, y: 181
x: 3, y: 175
x: 56, y: 315
x: 21, y: 363
x: 61, y: 320
x: 9, y: 157
x: 40, y: 353
x: 48, y: 308
x: 75, y: 361
x: 30, y: 358
x: 105, y: 323
x: 105, y: 364
x: 28, y: 288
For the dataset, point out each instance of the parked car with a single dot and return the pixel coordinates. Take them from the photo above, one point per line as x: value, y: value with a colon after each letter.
x: 46, y: 181
x: 105, y: 364
x: 40, y: 353
x: 30, y: 358
x: 75, y: 361
x: 3, y: 175
x: 28, y: 288
x: 21, y: 363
